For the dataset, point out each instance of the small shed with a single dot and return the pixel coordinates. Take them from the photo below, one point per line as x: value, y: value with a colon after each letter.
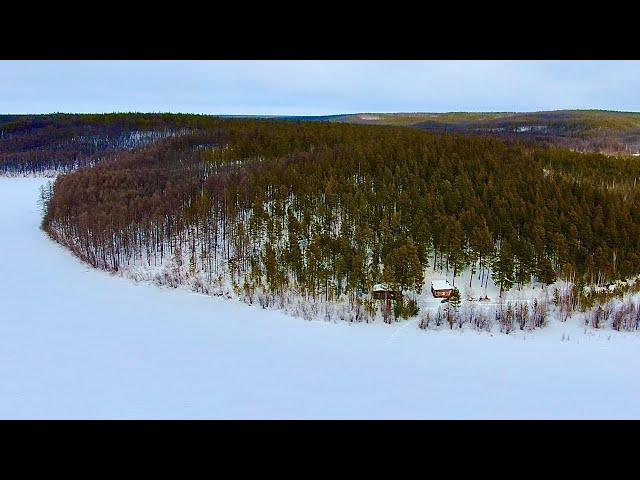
x: 441, y: 289
x: 380, y: 291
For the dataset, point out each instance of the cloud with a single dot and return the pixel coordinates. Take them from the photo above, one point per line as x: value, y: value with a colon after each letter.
x: 316, y: 87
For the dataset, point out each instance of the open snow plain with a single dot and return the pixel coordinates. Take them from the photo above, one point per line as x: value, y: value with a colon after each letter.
x: 80, y: 343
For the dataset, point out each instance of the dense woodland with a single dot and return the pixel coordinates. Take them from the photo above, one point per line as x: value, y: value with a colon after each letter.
x: 327, y: 209
x: 36, y: 144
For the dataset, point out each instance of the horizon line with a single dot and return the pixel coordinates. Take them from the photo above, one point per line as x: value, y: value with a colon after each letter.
x: 275, y: 115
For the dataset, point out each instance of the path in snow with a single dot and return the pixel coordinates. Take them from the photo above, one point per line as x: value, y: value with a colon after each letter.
x: 80, y: 343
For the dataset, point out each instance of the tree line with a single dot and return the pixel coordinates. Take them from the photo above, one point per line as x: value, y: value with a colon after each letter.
x: 325, y: 210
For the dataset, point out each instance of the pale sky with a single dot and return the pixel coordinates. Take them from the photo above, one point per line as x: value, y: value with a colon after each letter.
x: 316, y: 87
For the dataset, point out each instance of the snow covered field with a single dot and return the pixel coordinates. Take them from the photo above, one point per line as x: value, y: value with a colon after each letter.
x: 80, y: 343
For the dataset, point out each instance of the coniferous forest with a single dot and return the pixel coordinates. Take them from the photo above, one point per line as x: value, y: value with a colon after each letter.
x: 325, y: 210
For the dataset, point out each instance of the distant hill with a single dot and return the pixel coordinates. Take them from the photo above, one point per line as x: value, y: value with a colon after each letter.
x: 582, y: 130
x: 61, y: 141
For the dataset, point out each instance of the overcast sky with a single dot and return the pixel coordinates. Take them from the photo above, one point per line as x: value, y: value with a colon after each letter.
x: 316, y: 87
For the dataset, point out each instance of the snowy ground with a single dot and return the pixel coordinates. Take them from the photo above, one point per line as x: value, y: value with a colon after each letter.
x: 80, y: 343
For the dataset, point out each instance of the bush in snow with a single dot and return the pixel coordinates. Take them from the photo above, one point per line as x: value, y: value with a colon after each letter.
x: 505, y: 318
x: 600, y: 315
x: 539, y: 312
x: 363, y: 310
x: 386, y: 310
x: 465, y: 315
x: 626, y: 316
x: 425, y: 319
x: 594, y: 316
x: 480, y: 320
x: 440, y: 316
x: 568, y: 301
x: 172, y: 274
x: 522, y: 315
x: 199, y: 284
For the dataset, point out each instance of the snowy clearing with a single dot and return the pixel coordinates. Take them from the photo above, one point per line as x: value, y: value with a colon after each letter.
x: 80, y: 343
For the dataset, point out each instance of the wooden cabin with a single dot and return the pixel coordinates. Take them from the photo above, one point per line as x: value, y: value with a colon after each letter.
x: 441, y: 289
x: 381, y: 291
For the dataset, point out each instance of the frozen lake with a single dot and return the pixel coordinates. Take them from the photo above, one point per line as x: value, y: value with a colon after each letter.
x: 79, y: 343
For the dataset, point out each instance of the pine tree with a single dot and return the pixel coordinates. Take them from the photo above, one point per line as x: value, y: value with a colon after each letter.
x: 453, y: 310
x: 503, y: 268
x: 545, y: 272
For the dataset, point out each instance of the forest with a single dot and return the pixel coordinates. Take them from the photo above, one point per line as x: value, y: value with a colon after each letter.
x: 325, y: 210
x: 50, y: 144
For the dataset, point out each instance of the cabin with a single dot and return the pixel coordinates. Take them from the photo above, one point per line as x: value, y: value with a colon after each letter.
x: 381, y: 291
x: 441, y: 289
